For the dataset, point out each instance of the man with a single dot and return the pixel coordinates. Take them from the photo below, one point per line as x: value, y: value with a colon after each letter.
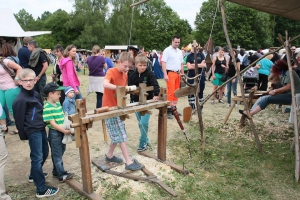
x: 118, y: 55
x: 39, y: 64
x: 141, y: 50
x: 24, y: 53
x: 172, y: 66
x: 191, y: 73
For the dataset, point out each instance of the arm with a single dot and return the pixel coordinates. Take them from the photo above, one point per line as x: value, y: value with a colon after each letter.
x: 213, y: 67
x: 154, y: 83
x: 45, y: 67
x: 164, y: 69
x: 16, y: 67
x: 59, y: 128
x: 105, y: 66
x: 20, y: 107
x: 108, y: 85
x: 182, y: 69
x: 283, y: 89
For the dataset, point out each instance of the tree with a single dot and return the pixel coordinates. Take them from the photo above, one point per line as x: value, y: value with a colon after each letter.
x: 26, y: 21
x: 281, y: 25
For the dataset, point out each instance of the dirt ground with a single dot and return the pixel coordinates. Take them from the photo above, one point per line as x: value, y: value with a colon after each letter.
x: 18, y: 164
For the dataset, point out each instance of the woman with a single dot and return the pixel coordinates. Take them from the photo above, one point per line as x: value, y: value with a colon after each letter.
x: 97, y: 65
x: 58, y: 51
x: 281, y: 95
x: 264, y: 69
x: 67, y: 67
x: 218, y: 68
x: 156, y: 66
x: 9, y: 90
x: 231, y: 73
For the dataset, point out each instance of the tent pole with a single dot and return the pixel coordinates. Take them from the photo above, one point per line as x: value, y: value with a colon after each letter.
x: 239, y: 76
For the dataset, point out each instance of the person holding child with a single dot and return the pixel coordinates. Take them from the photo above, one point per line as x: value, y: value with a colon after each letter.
x: 143, y: 75
x: 54, y: 117
x: 69, y: 105
x: 29, y: 121
x: 115, y: 126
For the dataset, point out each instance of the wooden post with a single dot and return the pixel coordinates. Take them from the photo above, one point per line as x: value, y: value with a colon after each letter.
x: 238, y: 75
x: 84, y: 152
x: 295, y: 109
x: 162, y: 134
x: 121, y: 96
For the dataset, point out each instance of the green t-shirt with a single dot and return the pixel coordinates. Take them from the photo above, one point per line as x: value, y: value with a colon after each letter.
x: 52, y: 112
x: 286, y: 79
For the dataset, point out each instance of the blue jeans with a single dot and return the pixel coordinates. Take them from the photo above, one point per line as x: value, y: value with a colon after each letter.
x: 39, y: 151
x: 230, y: 86
x: 77, y: 96
x: 8, y: 120
x: 264, y: 101
x: 192, y: 98
x: 143, y: 126
x: 57, y: 151
x: 99, y: 99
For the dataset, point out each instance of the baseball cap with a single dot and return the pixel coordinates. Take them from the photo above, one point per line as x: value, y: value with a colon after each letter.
x: 50, y: 87
x: 68, y: 89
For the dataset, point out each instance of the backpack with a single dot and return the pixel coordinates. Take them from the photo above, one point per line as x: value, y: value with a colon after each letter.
x: 245, y: 61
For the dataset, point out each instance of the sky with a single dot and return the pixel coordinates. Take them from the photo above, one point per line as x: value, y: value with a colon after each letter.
x: 186, y: 9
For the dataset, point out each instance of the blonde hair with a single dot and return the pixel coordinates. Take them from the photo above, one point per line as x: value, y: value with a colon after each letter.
x: 141, y: 59
x: 66, y: 53
x: 96, y: 49
x: 26, y: 72
x: 126, y: 56
x: 270, y: 56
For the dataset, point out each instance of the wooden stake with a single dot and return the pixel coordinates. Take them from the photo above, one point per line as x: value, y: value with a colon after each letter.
x: 238, y: 75
x: 162, y: 134
x: 295, y: 109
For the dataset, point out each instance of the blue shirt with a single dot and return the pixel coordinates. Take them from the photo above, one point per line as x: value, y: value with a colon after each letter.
x: 24, y: 56
x: 69, y: 106
x: 109, y: 64
x: 265, y: 66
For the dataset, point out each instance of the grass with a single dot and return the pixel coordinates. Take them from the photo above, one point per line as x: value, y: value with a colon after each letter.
x: 230, y: 167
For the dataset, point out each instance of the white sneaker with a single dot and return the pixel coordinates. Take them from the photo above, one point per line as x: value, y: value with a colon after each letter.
x: 236, y: 105
x: 228, y: 105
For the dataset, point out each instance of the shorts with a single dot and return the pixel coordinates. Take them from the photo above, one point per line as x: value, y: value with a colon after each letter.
x: 217, y: 81
x: 116, y: 129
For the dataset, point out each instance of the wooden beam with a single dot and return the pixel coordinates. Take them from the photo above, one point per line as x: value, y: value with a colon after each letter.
x: 138, y: 3
x: 162, y: 134
x: 79, y: 188
x: 185, y: 91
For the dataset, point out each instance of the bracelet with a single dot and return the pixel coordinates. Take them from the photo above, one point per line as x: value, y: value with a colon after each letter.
x: 16, y: 79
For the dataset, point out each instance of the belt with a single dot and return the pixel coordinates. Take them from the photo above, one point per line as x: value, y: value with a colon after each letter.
x: 178, y: 72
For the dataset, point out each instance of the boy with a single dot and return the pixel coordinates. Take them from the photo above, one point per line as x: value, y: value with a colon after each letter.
x: 143, y: 75
x: 115, y: 127
x: 69, y: 105
x: 54, y: 118
x: 30, y: 124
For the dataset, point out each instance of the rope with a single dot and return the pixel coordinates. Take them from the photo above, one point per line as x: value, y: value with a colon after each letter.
x: 212, y: 27
x: 131, y: 26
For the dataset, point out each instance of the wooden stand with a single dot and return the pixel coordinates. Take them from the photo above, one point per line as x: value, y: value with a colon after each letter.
x: 83, y: 120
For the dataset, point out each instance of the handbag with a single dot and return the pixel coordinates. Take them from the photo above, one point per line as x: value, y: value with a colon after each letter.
x: 224, y: 77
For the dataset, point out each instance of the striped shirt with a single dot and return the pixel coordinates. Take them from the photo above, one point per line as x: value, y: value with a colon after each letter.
x: 52, y: 112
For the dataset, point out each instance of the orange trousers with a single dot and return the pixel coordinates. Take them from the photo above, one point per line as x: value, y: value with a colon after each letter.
x: 172, y: 85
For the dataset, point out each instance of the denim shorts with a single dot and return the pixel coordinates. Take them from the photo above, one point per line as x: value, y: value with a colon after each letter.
x: 116, y: 129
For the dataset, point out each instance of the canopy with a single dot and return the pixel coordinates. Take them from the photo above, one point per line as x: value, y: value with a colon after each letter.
x: 285, y: 8
x: 11, y: 28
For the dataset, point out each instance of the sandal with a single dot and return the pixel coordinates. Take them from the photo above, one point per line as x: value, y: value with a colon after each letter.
x: 2, y: 128
x: 242, y: 113
x: 13, y: 132
x: 134, y: 166
x: 113, y: 159
x: 212, y: 101
x: 221, y: 101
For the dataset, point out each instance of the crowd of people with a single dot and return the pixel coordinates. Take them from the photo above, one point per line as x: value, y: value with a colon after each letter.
x: 36, y: 104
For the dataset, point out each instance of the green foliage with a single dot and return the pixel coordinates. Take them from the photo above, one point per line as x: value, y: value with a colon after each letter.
x: 283, y: 24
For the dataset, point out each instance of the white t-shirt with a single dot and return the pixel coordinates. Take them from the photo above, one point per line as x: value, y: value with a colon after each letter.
x: 173, y: 58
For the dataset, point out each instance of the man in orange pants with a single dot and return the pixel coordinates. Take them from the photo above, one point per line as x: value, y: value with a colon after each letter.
x: 172, y: 66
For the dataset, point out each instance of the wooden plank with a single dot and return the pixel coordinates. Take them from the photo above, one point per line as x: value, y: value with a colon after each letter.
x: 162, y: 134
x: 172, y: 165
x: 184, y: 91
x: 103, y: 165
x: 84, y: 153
x: 119, y: 112
x: 79, y: 188
x: 143, y: 89
x: 230, y: 110
x: 121, y: 96
x: 104, y: 131
x: 77, y: 129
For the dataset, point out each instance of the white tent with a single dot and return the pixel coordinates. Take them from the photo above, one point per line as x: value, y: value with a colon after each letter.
x: 11, y: 27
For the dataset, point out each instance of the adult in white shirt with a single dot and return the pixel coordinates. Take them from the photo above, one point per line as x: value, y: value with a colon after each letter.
x: 172, y: 66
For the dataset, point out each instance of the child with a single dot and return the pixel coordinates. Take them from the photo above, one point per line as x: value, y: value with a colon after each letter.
x: 29, y: 122
x: 115, y: 126
x: 54, y: 118
x: 143, y: 75
x: 69, y: 105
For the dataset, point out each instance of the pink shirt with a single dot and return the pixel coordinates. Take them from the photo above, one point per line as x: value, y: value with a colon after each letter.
x: 6, y: 81
x: 68, y: 72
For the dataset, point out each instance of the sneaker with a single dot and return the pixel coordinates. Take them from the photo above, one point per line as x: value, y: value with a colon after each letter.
x: 49, y: 192
x: 73, y: 137
x: 67, y: 176
x: 221, y: 101
x: 30, y: 179
x: 228, y: 105
x: 170, y: 115
x: 143, y: 147
x: 12, y: 123
x: 236, y: 105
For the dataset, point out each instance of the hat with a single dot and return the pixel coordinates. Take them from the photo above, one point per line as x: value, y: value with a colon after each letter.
x: 132, y: 48
x: 68, y: 89
x: 50, y: 87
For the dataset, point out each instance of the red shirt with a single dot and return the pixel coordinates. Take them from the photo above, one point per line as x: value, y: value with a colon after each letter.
x: 117, y: 78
